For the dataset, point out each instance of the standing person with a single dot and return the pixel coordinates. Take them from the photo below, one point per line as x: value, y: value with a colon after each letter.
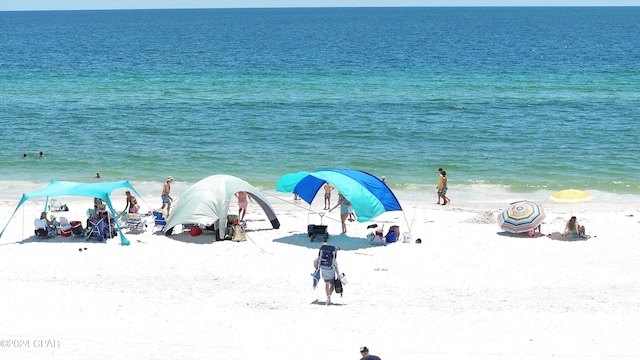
x: 439, y: 185
x: 327, y: 195
x: 442, y: 192
x: 166, y: 197
x: 384, y: 179
x: 328, y: 266
x: 243, y: 203
x: 364, y: 351
x: 132, y: 203
x: 344, y: 211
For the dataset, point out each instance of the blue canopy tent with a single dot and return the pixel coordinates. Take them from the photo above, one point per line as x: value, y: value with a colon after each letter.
x: 96, y: 190
x: 368, y: 195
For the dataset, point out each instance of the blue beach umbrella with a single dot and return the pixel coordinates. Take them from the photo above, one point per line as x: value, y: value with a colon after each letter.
x: 521, y: 216
x: 369, y: 196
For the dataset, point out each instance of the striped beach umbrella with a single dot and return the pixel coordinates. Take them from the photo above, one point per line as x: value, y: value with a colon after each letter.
x: 521, y: 216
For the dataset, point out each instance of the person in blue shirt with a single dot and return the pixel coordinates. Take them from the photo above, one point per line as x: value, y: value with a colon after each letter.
x: 364, y: 351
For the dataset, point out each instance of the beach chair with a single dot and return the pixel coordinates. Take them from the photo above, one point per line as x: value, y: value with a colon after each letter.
x: 158, y: 220
x: 55, y: 205
x: 134, y: 222
x: 42, y: 229
x: 64, y: 227
x: 122, y: 219
x: 64, y: 224
x: 97, y: 229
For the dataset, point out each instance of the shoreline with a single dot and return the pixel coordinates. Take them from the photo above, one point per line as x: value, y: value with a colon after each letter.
x: 478, y: 198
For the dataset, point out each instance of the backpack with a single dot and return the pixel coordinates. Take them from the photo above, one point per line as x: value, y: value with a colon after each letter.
x: 327, y: 254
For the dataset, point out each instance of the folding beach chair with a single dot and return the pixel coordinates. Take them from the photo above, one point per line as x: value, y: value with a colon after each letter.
x: 97, y: 229
x: 159, y: 220
x: 64, y: 223
x: 134, y: 222
x: 42, y: 229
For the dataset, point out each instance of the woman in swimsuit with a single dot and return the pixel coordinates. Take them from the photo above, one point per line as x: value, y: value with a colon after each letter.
x: 243, y: 203
x: 132, y: 203
x: 344, y: 211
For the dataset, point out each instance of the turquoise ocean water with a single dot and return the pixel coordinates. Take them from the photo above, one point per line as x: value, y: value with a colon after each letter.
x: 507, y: 100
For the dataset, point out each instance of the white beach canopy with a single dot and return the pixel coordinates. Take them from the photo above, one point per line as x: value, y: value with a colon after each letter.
x: 208, y: 201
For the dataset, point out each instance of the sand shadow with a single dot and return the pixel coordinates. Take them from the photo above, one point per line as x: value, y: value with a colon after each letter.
x: 207, y: 237
x: 558, y: 236
x: 344, y: 242
x: 324, y: 303
x: 523, y: 235
x: 62, y: 239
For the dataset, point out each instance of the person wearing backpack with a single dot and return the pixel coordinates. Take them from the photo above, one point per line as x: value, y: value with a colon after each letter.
x: 364, y: 351
x: 328, y: 266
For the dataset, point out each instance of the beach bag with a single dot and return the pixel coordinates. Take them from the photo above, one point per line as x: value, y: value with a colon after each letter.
x: 327, y: 254
x: 378, y: 240
x: 65, y: 232
x: 238, y: 233
x: 337, y: 283
x: 42, y: 232
x: 195, y: 231
x: 391, y: 237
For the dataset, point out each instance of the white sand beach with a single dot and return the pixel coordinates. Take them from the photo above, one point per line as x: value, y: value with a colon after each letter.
x: 468, y: 291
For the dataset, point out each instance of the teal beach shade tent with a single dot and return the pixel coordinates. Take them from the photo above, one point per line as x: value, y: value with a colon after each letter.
x: 95, y: 190
x: 368, y: 195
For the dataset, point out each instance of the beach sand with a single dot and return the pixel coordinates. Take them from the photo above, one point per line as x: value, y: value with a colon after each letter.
x: 468, y: 291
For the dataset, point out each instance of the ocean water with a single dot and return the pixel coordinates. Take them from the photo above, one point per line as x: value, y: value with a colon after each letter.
x: 510, y: 100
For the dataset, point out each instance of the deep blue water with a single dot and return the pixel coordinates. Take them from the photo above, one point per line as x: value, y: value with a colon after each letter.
x: 522, y: 99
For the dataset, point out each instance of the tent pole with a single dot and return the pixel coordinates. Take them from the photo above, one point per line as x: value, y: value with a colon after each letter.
x: 412, y: 218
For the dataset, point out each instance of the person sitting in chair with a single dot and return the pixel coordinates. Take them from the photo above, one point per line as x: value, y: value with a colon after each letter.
x: 98, y: 205
x: 44, y: 226
x: 573, y: 228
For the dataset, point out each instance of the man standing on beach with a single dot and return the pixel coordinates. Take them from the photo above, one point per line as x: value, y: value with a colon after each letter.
x: 439, y: 185
x: 327, y: 195
x: 166, y: 197
x: 327, y: 265
x: 442, y: 188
